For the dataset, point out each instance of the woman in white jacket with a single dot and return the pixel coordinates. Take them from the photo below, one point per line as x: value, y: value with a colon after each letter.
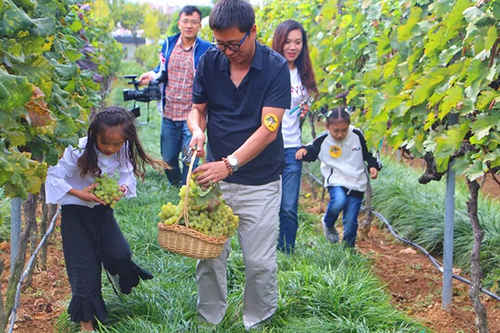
x: 290, y: 40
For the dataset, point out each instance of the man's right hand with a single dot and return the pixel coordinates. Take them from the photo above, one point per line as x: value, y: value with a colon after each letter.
x: 198, y: 141
x: 145, y: 78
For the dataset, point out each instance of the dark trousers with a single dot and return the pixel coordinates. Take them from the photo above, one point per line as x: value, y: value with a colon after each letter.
x: 91, y: 238
x: 175, y: 138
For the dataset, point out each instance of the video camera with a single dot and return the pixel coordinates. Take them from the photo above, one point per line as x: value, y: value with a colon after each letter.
x: 146, y: 95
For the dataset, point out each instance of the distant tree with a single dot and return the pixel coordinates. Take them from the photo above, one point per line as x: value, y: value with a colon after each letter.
x: 151, y: 24
x: 131, y: 17
x: 101, y: 11
x: 115, y: 5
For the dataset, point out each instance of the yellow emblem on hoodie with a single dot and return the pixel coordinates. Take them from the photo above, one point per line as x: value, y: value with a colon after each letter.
x: 335, y: 151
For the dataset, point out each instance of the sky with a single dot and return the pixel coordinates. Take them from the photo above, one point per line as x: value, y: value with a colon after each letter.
x: 181, y: 3
x: 178, y: 3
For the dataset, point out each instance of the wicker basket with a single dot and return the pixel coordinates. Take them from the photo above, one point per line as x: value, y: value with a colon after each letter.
x: 183, y: 240
x: 188, y: 242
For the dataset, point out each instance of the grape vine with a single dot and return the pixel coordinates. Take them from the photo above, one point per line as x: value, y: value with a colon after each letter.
x: 47, y: 89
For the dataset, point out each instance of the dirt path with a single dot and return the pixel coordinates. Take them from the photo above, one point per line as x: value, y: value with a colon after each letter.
x: 415, y: 286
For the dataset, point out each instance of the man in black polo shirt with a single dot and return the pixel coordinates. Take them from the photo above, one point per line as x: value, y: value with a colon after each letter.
x: 240, y: 92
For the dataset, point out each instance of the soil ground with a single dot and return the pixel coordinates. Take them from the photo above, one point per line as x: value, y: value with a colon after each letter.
x: 409, y: 277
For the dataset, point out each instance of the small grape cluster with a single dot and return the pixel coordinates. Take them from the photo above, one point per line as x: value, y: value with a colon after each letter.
x: 207, y: 211
x: 107, y: 190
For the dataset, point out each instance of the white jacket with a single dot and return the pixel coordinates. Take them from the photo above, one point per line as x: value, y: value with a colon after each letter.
x: 342, y: 162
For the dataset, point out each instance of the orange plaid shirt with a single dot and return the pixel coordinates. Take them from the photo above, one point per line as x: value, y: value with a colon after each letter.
x: 178, y: 92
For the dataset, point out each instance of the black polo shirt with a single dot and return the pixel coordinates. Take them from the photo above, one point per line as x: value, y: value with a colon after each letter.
x: 234, y: 113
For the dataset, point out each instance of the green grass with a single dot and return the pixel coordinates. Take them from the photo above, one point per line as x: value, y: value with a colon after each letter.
x: 323, y: 288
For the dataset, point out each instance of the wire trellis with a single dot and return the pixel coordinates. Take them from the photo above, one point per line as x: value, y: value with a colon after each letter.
x: 28, y: 269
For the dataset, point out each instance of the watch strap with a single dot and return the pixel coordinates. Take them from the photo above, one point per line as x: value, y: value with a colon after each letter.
x: 228, y: 165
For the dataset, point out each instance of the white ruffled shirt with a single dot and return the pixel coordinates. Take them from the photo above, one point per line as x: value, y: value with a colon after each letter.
x: 290, y: 125
x: 65, y: 175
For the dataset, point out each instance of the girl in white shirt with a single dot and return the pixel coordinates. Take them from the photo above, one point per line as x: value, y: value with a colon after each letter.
x: 90, y: 234
x: 290, y: 40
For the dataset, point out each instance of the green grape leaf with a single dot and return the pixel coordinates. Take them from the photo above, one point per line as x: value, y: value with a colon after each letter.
x: 346, y: 21
x: 390, y: 67
x: 491, y: 37
x: 405, y: 31
x: 453, y: 97
x: 485, y: 98
x: 449, y: 142
x: 473, y: 14
x: 10, y: 83
x: 76, y: 25
x: 425, y: 89
x: 495, y: 8
x: 44, y: 26
x: 474, y: 171
x: 14, y: 20
x: 447, y: 54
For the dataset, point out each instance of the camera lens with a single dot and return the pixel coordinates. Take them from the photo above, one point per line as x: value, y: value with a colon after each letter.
x: 129, y: 94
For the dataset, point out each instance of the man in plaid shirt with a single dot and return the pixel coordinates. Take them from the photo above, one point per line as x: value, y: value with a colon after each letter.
x: 179, y: 57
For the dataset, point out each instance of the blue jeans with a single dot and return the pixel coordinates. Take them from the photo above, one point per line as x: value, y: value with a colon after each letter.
x: 175, y: 136
x: 289, y: 201
x: 350, y: 205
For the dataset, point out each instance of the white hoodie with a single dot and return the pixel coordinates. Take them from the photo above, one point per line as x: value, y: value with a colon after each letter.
x: 342, y: 162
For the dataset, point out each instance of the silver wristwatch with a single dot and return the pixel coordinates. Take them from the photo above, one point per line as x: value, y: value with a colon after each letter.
x: 233, y: 163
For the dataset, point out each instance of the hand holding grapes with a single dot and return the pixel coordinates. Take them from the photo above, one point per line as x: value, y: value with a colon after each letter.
x: 124, y: 190
x: 107, y: 190
x: 210, y: 173
x: 87, y: 194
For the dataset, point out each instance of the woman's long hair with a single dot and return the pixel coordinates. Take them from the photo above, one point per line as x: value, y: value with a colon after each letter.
x: 303, y: 61
x: 115, y: 116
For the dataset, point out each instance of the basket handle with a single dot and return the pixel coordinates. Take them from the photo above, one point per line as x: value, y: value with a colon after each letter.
x: 186, y: 195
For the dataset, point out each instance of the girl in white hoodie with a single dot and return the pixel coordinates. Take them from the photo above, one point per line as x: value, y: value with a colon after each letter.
x: 343, y: 153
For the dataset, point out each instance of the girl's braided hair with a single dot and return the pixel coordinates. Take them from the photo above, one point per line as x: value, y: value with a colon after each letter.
x: 111, y: 117
x: 337, y: 114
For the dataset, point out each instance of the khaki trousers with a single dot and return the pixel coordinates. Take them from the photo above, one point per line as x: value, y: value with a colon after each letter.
x: 258, y: 208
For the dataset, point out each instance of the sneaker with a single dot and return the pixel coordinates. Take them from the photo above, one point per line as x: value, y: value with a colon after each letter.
x: 331, y: 233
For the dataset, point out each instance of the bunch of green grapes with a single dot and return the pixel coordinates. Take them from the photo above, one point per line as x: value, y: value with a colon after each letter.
x: 107, y: 190
x: 169, y: 213
x: 207, y: 211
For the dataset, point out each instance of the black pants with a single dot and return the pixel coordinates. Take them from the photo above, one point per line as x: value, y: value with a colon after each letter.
x: 91, y: 238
